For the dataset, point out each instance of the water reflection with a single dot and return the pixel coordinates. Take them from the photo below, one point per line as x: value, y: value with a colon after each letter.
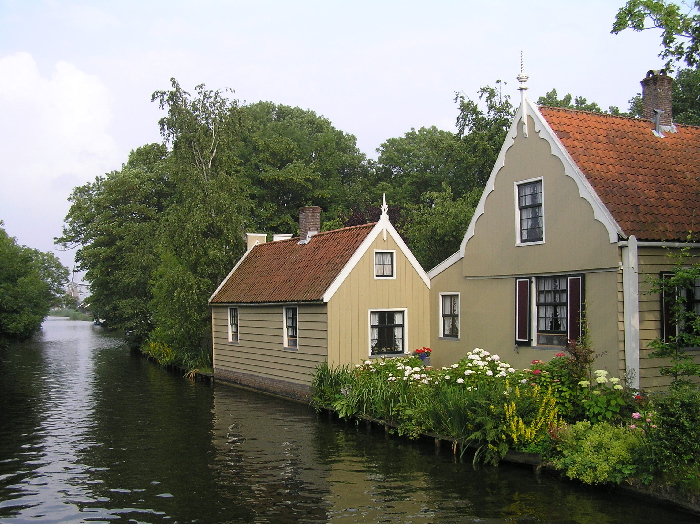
x: 90, y: 432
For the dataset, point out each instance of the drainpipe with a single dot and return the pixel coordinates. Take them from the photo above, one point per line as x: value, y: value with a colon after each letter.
x: 630, y: 286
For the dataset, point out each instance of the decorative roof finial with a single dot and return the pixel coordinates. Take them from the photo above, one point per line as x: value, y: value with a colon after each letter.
x: 522, y: 78
x: 385, y: 208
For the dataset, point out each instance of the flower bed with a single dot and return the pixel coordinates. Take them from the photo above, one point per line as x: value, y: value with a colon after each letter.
x: 585, y: 423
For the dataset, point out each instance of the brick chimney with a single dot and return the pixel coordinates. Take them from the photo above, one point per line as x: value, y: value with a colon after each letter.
x: 309, y: 222
x: 656, y: 95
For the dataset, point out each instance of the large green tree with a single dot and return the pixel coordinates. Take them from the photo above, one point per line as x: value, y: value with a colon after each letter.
x: 115, y: 223
x: 31, y: 282
x: 679, y: 25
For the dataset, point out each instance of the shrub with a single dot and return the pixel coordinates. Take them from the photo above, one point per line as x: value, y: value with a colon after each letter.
x: 673, y: 446
x: 597, y: 453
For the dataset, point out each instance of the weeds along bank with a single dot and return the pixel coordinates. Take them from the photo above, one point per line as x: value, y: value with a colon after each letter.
x: 591, y: 427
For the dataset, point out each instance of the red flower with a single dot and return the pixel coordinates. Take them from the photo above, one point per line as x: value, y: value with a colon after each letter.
x: 536, y: 371
x: 560, y: 354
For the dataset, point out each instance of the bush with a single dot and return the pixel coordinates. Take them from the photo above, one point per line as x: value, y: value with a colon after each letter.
x: 597, y: 453
x: 673, y: 445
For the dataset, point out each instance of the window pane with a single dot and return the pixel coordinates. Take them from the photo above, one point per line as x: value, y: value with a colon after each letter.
x: 530, y: 206
x: 384, y: 264
x: 386, y: 332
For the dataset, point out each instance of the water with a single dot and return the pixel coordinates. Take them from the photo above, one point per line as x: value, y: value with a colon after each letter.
x: 91, y: 433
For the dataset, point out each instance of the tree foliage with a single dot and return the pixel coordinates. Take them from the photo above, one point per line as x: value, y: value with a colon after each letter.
x: 679, y: 25
x: 31, y: 282
x: 551, y: 99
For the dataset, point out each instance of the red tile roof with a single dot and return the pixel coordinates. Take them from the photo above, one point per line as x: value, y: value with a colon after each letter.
x: 651, y: 185
x: 286, y: 271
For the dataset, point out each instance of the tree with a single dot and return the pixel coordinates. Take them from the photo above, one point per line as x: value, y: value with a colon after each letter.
x: 434, y: 227
x: 418, y: 162
x: 292, y: 158
x: 115, y: 222
x: 580, y: 103
x: 680, y: 26
x: 31, y: 282
x: 481, y: 135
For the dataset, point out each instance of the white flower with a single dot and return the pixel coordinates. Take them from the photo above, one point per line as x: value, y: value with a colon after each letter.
x: 614, y: 380
x: 416, y: 376
x: 489, y: 372
x: 368, y: 362
x: 501, y: 374
x: 495, y: 357
x: 454, y: 366
x: 511, y: 370
x: 447, y: 377
x: 617, y: 386
x: 425, y: 381
x: 468, y: 372
x: 460, y: 380
x: 417, y: 369
x: 484, y: 352
x: 600, y: 372
x: 601, y: 379
x: 523, y: 381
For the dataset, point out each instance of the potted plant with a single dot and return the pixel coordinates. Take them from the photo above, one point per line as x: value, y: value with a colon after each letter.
x: 423, y: 354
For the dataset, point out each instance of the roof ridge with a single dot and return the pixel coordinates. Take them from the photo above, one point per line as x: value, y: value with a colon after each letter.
x: 592, y: 113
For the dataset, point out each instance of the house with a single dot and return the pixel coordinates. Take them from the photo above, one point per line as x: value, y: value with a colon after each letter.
x: 580, y: 211
x: 339, y: 296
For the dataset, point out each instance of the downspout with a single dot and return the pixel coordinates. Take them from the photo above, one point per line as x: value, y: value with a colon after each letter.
x: 630, y: 287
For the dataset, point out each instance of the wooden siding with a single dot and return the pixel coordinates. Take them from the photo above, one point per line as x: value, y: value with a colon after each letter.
x: 260, y: 351
x: 652, y: 261
x: 348, y: 310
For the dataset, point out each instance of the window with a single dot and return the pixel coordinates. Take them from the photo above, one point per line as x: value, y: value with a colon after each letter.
x: 387, y: 332
x: 384, y: 264
x: 291, y: 334
x: 449, y: 313
x: 557, y: 310
x: 233, y: 324
x: 690, y: 297
x: 531, y: 217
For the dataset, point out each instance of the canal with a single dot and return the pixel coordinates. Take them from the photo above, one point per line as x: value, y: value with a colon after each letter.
x: 90, y: 432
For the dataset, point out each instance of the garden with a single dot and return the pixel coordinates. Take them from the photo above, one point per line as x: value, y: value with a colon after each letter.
x: 578, y: 420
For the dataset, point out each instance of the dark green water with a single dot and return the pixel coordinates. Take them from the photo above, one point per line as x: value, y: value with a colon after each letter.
x: 91, y: 433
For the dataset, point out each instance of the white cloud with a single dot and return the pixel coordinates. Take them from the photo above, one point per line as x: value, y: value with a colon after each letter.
x: 54, y: 135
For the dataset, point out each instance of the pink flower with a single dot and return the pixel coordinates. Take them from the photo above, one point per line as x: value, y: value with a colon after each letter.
x: 636, y: 415
x: 633, y: 426
x: 536, y: 371
x: 648, y: 420
x: 560, y: 354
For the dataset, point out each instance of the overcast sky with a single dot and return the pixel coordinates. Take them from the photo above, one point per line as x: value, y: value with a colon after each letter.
x: 76, y: 77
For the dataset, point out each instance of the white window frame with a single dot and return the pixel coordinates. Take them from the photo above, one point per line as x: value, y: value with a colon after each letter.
x: 518, y: 240
x: 287, y: 340
x: 404, y: 349
x: 393, y: 264
x: 441, y: 323
x: 234, y: 337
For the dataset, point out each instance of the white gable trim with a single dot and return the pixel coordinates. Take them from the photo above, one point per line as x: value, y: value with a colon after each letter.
x: 490, y: 184
x: 442, y: 266
x: 586, y: 191
x: 230, y: 273
x: 383, y: 227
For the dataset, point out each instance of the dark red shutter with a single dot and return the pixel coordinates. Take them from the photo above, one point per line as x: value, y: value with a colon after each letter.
x: 575, y: 305
x: 522, y: 311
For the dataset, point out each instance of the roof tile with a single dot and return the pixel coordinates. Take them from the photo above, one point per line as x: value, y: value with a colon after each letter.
x: 651, y: 185
x: 286, y: 271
